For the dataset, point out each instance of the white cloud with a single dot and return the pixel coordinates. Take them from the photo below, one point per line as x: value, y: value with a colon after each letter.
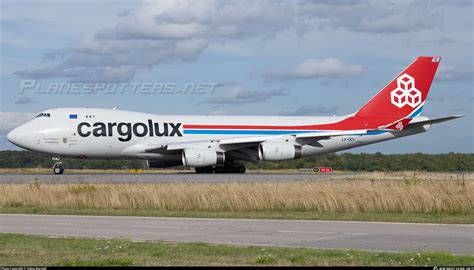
x: 317, y: 68
x: 167, y: 31
x: 178, y: 20
x: 219, y: 111
x: 374, y: 17
x: 164, y: 31
x: 455, y: 72
x: 238, y: 95
x: 10, y: 120
x: 24, y: 101
x: 311, y: 110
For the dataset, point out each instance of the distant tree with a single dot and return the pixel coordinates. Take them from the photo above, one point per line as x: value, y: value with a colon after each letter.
x: 345, y: 161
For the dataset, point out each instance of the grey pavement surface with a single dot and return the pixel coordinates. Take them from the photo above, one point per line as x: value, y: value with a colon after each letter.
x: 380, y: 236
x: 168, y: 177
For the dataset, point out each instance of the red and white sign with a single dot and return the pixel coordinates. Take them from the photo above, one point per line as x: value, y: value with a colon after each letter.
x: 323, y: 169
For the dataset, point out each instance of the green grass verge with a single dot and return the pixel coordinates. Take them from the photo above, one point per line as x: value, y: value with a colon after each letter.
x: 16, y: 249
x: 300, y: 215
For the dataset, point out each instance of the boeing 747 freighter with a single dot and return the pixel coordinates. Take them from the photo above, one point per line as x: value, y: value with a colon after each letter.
x: 219, y: 144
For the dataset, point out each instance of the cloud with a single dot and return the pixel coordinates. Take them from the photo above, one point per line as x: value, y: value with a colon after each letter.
x: 449, y: 98
x: 160, y: 32
x: 317, y: 68
x: 237, y: 95
x: 219, y: 111
x: 373, y: 17
x: 458, y: 109
x: 311, y: 110
x: 85, y: 75
x: 444, y: 40
x: 10, y: 120
x: 455, y: 72
x: 24, y: 101
x: 181, y: 20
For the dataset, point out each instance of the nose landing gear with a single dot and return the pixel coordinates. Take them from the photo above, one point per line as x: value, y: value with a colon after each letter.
x: 58, y: 167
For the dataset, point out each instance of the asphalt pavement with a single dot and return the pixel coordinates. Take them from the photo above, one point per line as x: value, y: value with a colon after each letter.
x: 376, y: 236
x: 169, y: 177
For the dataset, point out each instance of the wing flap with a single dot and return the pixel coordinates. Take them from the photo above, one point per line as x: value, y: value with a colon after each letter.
x: 329, y: 134
x: 247, y: 140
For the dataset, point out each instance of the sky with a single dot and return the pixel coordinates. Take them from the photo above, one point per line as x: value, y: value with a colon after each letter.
x: 236, y: 58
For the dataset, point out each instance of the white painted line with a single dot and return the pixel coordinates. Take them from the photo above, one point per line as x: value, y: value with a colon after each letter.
x: 312, y: 232
x: 159, y: 227
x: 307, y: 232
x: 174, y: 227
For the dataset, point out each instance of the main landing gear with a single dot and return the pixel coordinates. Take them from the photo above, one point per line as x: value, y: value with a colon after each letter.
x: 58, y: 167
x: 235, y: 168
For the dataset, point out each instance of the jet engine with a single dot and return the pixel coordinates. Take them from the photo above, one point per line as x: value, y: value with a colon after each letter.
x: 275, y: 151
x: 202, y: 157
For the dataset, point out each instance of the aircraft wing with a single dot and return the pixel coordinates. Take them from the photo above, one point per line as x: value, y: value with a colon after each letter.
x: 236, y: 143
x: 300, y: 138
x: 236, y: 148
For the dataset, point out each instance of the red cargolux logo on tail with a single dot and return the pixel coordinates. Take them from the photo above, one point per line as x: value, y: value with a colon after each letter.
x: 405, y: 93
x: 399, y: 126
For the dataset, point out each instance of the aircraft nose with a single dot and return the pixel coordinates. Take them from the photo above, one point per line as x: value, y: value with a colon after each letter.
x: 22, y: 136
x: 11, y: 136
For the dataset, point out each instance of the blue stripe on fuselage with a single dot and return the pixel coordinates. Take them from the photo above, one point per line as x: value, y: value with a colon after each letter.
x: 243, y: 132
x: 261, y: 132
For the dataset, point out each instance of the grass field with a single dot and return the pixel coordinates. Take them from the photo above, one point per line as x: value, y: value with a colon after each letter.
x: 34, y: 250
x: 409, y: 200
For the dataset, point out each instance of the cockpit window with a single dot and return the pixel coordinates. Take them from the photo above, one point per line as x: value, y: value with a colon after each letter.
x: 43, y: 115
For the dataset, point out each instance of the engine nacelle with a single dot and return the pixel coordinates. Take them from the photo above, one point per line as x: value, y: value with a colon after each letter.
x: 202, y: 157
x: 275, y: 151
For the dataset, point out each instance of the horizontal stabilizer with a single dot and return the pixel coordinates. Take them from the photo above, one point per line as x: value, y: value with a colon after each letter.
x: 433, y: 121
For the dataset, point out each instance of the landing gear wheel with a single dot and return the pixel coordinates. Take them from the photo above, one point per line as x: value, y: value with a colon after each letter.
x: 58, y: 168
x: 203, y: 169
x: 240, y: 169
x: 208, y: 170
x: 219, y: 169
x: 230, y: 169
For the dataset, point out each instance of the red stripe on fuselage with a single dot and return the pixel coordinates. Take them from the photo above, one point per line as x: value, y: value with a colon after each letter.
x: 346, y: 124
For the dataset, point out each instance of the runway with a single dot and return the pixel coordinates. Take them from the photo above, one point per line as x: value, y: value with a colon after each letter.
x: 376, y: 236
x: 169, y: 177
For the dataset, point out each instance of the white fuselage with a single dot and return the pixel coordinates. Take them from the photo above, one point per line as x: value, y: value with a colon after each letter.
x: 86, y: 137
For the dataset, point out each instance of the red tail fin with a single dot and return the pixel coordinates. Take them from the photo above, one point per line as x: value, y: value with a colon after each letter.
x: 405, y: 95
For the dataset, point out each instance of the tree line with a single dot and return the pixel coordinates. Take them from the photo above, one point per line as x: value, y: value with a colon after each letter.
x: 345, y: 161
